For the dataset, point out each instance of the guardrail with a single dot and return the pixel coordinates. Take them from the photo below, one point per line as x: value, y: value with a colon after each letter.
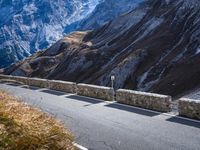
x: 94, y: 91
x: 14, y: 78
x: 69, y: 87
x: 64, y: 86
x: 151, y: 101
x: 43, y: 83
x: 162, y: 103
x: 189, y: 108
x: 156, y: 102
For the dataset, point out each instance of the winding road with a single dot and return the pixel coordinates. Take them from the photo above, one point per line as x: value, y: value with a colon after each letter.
x: 100, y: 125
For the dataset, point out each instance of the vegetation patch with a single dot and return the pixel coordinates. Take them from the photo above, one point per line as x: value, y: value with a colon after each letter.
x: 25, y: 128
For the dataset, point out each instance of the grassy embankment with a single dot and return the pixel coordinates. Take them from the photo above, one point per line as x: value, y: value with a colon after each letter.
x: 25, y: 128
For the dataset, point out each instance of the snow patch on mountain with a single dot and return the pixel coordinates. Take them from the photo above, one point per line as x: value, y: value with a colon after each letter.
x: 198, y: 51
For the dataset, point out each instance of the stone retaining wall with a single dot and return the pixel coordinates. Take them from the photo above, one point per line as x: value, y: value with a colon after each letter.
x: 162, y: 103
x: 63, y: 86
x: 23, y: 80
x: 5, y: 77
x: 189, y: 108
x: 151, y: 101
x: 94, y: 91
x: 42, y: 83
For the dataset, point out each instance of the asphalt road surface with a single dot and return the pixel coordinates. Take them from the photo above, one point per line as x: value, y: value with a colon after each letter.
x: 99, y: 125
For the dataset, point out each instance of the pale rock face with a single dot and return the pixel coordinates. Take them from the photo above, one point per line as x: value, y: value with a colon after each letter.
x: 105, y: 11
x: 27, y: 26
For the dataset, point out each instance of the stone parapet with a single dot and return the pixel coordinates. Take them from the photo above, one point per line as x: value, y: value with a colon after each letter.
x: 145, y: 100
x: 189, y: 108
x: 94, y: 91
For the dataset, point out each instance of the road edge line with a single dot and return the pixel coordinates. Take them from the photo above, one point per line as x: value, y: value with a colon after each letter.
x: 79, y: 146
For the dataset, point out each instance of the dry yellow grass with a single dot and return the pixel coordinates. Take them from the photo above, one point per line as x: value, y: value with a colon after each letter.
x: 25, y: 128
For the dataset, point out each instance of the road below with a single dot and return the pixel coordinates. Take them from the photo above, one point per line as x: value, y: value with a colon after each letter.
x: 99, y: 125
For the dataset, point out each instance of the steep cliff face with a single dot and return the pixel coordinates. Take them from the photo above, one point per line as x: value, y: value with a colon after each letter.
x: 105, y: 11
x: 155, y: 47
x: 27, y: 26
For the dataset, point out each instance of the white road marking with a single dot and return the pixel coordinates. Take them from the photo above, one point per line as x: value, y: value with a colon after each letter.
x: 79, y: 146
x: 67, y: 95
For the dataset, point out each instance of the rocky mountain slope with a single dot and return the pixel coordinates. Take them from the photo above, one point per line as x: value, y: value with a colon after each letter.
x: 155, y: 47
x: 105, y: 11
x: 30, y: 25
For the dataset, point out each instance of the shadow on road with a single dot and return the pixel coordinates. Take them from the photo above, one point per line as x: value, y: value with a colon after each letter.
x: 84, y: 99
x: 58, y: 93
x: 13, y: 84
x: 31, y: 87
x: 184, y: 122
x: 133, y: 110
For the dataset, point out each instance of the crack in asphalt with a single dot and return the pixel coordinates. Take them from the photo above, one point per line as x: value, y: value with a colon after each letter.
x: 67, y: 116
